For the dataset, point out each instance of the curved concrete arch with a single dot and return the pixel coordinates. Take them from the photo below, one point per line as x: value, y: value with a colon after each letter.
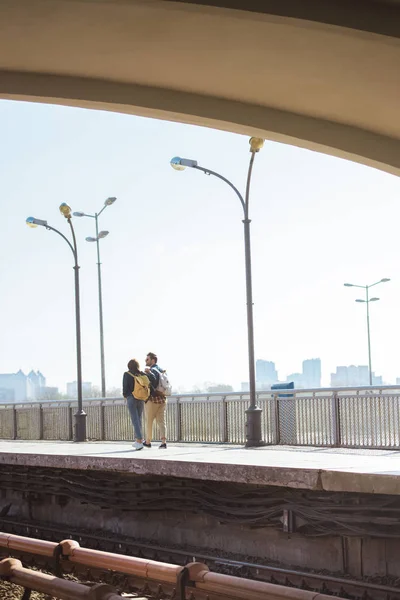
x: 316, y: 84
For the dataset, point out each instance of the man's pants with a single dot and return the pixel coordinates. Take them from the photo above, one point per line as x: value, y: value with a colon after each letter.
x: 157, y: 412
x: 135, y: 408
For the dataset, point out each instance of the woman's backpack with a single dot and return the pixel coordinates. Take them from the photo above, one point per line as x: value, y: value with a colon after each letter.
x: 141, y: 387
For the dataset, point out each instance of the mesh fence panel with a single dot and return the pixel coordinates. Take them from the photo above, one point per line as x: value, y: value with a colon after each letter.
x: 28, y: 422
x: 93, y: 420
x: 118, y: 426
x: 236, y: 419
x: 313, y: 421
x: 56, y: 422
x: 6, y: 422
x: 201, y: 419
x: 370, y: 421
x: 268, y: 419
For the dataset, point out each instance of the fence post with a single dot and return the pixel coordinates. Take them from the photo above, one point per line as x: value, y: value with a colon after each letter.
x: 223, y: 417
x: 41, y: 422
x: 277, y: 420
x: 70, y: 426
x: 336, y: 420
x: 178, y: 421
x: 14, y: 423
x: 102, y: 421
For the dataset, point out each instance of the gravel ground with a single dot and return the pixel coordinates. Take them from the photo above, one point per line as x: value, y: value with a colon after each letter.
x: 10, y: 591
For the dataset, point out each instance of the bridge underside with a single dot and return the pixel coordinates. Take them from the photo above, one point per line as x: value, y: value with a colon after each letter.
x: 324, y: 75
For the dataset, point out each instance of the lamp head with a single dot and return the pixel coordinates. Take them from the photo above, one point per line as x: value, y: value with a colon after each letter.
x: 78, y: 214
x: 65, y: 210
x: 180, y: 164
x: 373, y: 299
x: 91, y: 239
x: 360, y: 300
x: 256, y: 144
x: 32, y: 222
x: 109, y: 201
x: 103, y: 234
x: 384, y: 280
x: 348, y: 285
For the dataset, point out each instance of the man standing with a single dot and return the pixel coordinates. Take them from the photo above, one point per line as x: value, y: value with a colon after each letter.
x: 156, y: 404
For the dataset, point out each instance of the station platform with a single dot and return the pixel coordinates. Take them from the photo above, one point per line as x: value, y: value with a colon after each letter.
x: 308, y: 468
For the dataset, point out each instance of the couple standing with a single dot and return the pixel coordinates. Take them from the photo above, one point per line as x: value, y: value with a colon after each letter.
x: 144, y: 388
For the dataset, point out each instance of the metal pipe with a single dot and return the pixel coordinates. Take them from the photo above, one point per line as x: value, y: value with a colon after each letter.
x: 245, y: 589
x: 131, y: 565
x: 53, y: 586
x: 26, y: 544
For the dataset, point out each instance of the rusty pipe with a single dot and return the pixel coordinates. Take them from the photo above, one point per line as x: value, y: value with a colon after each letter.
x: 53, y: 586
x: 130, y: 565
x: 26, y: 544
x: 237, y: 588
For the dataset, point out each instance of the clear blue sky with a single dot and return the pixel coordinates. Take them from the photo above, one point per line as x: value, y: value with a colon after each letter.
x: 173, y: 264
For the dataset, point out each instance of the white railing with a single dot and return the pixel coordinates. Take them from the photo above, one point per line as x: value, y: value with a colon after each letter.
x: 363, y: 417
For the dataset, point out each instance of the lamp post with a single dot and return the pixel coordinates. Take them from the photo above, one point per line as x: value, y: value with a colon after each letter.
x: 367, y: 301
x: 96, y: 239
x: 80, y: 415
x: 253, y: 422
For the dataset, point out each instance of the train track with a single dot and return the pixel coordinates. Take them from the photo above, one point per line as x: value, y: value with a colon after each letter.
x: 318, y: 582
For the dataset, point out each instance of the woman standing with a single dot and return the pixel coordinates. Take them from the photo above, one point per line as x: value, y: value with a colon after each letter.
x: 136, y: 389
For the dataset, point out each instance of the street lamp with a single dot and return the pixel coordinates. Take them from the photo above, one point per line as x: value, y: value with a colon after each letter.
x: 99, y: 236
x: 367, y: 301
x: 253, y: 424
x: 80, y: 415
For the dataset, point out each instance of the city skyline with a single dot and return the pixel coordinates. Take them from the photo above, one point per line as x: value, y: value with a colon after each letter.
x: 182, y: 237
x: 18, y: 387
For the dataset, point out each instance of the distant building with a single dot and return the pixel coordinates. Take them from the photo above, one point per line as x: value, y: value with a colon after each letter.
x: 18, y: 387
x: 297, y: 379
x: 266, y: 374
x: 397, y: 380
x: 353, y: 375
x: 245, y: 386
x: 312, y: 373
x: 49, y: 393
x: 72, y: 389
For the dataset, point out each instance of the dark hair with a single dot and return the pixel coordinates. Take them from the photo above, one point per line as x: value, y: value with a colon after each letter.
x: 152, y: 356
x: 133, y: 365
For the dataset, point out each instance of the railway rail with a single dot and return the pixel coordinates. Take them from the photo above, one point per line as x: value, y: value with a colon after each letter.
x: 318, y: 583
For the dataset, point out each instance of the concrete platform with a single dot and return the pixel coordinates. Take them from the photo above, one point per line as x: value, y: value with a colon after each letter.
x: 340, y: 470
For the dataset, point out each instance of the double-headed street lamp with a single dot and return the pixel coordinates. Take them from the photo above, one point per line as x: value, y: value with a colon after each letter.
x: 99, y: 236
x: 80, y: 415
x: 253, y: 425
x: 367, y: 301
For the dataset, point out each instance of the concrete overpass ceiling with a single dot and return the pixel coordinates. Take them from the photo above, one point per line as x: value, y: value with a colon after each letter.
x: 326, y: 84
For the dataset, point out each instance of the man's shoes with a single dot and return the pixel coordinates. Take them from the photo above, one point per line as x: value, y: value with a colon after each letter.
x: 146, y: 445
x: 163, y: 446
x: 138, y: 445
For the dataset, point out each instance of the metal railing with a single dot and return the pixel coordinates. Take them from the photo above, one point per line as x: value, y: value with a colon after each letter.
x: 195, y: 580
x: 364, y: 417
